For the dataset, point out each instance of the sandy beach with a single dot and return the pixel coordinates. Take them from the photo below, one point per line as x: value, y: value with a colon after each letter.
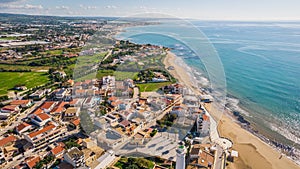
x: 253, y: 153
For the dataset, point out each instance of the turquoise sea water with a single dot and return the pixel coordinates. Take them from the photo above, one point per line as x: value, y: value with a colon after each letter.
x: 262, y: 67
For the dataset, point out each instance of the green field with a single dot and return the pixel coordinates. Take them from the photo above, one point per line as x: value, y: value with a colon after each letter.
x: 150, y: 87
x: 29, y: 79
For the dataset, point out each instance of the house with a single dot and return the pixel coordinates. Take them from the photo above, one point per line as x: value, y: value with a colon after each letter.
x: 41, y: 119
x: 61, y: 93
x: 45, y: 136
x: 58, y: 151
x: 7, y: 147
x: 75, y: 103
x: 37, y: 94
x: 58, y: 110
x: 10, y: 109
x: 75, y: 157
x: 70, y: 82
x: 76, y: 123
x: 203, y: 124
x: 9, y: 112
x: 32, y: 161
x: 202, y: 155
x: 124, y: 123
x: 21, y: 128
x: 80, y: 92
x: 48, y: 106
x: 61, y: 74
x: 89, y: 102
x: 71, y: 113
x: 22, y: 103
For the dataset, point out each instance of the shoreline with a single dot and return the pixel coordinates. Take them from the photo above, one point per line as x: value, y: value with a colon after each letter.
x: 253, y: 152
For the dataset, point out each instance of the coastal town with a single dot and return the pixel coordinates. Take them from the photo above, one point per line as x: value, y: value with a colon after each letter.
x: 75, y: 97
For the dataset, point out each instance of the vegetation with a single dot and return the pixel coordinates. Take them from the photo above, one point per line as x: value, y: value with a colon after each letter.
x: 150, y: 87
x: 30, y: 79
x: 71, y: 142
x: 152, y: 134
x: 45, y: 161
x: 167, y: 120
x: 134, y: 163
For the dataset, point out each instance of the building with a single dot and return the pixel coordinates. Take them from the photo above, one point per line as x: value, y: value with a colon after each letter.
x: 202, y: 155
x: 61, y: 93
x: 75, y: 157
x: 58, y: 151
x: 106, y: 160
x: 40, y: 119
x: 22, y: 103
x: 203, y: 124
x: 48, y: 106
x: 21, y: 128
x: 31, y: 162
x: 7, y: 147
x: 71, y: 113
x: 45, y: 136
x: 180, y: 157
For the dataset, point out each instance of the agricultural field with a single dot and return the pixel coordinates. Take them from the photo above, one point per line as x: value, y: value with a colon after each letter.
x: 29, y: 79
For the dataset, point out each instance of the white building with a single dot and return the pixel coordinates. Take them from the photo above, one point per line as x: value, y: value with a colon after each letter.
x: 180, y: 157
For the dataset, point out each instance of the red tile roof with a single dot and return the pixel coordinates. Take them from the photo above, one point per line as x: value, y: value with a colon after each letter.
x: 58, y: 109
x: 7, y: 140
x: 43, y: 116
x: 76, y: 122
x: 45, y: 129
x: 22, y: 126
x: 205, y: 117
x: 57, y: 150
x: 19, y: 102
x: 74, y: 101
x: 9, y: 107
x: 47, y: 104
x: 32, y: 162
x: 113, y: 98
x: 38, y: 111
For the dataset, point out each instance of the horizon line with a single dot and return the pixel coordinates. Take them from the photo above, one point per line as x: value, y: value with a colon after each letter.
x: 196, y: 19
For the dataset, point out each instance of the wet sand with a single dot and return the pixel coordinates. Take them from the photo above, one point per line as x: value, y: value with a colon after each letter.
x: 253, y: 153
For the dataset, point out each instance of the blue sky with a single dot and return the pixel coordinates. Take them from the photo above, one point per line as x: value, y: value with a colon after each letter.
x: 196, y: 9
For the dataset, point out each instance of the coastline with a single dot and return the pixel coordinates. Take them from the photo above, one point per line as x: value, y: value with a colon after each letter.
x: 253, y: 152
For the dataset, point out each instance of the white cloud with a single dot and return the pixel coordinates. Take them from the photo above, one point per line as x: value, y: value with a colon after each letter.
x: 16, y: 6
x: 111, y: 7
x: 62, y: 7
x: 87, y: 7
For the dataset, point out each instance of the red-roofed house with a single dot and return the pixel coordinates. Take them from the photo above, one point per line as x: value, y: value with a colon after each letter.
x: 48, y: 106
x: 23, y: 127
x: 7, y: 140
x: 41, y: 119
x: 58, y: 151
x: 22, y: 103
x: 7, y: 147
x: 31, y: 162
x: 10, y: 109
x: 76, y: 122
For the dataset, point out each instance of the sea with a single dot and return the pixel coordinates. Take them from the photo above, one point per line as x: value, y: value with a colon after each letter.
x: 260, y: 62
